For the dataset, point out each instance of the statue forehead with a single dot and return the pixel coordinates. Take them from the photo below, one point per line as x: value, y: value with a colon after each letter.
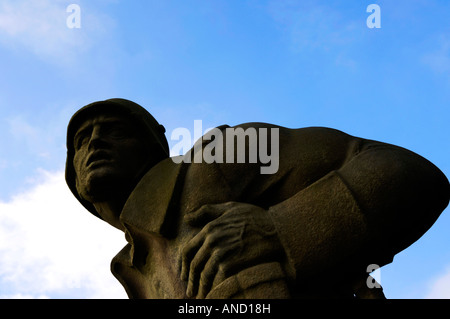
x: 94, y: 118
x: 104, y: 118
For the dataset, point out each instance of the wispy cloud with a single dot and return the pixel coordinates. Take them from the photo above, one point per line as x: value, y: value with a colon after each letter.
x: 33, y: 139
x: 439, y: 288
x: 40, y: 27
x: 50, y: 247
x: 26, y: 135
x: 311, y: 25
x: 439, y: 59
x: 317, y: 27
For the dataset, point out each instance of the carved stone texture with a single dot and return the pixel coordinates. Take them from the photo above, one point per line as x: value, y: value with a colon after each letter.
x: 220, y: 229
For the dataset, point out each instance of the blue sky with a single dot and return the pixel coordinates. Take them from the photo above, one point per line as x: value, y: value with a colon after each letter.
x: 292, y: 63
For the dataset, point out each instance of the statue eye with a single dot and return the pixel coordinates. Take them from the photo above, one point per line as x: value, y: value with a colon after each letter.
x: 117, y: 131
x: 80, y: 140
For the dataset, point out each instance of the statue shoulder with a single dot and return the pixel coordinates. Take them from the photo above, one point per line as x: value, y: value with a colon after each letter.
x: 148, y: 204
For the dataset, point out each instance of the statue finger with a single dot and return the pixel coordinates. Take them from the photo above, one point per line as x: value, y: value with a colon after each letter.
x: 189, y: 252
x: 204, y: 214
x: 196, y: 266
x: 210, y: 271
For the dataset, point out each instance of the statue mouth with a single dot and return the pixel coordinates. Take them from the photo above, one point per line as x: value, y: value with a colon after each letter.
x: 98, y: 158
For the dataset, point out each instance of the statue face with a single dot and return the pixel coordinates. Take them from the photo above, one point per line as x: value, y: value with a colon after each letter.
x: 109, y: 156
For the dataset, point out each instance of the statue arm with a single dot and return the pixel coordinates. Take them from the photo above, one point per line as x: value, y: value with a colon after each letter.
x: 377, y: 203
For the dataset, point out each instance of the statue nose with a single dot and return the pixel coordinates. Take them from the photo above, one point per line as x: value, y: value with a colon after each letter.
x: 97, y: 140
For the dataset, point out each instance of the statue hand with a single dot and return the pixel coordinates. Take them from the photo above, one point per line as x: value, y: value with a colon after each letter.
x: 234, y: 236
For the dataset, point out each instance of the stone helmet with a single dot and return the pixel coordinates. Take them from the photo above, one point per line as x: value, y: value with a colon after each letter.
x: 151, y: 131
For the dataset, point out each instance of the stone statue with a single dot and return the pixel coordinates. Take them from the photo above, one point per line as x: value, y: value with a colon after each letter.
x: 198, y: 229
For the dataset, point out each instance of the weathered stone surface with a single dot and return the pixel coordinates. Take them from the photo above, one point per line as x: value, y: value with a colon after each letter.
x: 335, y: 205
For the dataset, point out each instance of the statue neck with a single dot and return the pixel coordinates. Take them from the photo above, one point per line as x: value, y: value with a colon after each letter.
x: 110, y: 212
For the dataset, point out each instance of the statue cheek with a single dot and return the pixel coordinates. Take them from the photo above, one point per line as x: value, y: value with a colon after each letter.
x: 77, y: 163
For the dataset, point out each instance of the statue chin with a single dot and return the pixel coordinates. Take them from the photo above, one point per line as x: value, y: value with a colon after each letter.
x: 103, y: 188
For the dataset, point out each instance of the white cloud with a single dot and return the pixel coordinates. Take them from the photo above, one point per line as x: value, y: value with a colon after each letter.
x: 440, y: 287
x: 51, y: 247
x: 40, y: 27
